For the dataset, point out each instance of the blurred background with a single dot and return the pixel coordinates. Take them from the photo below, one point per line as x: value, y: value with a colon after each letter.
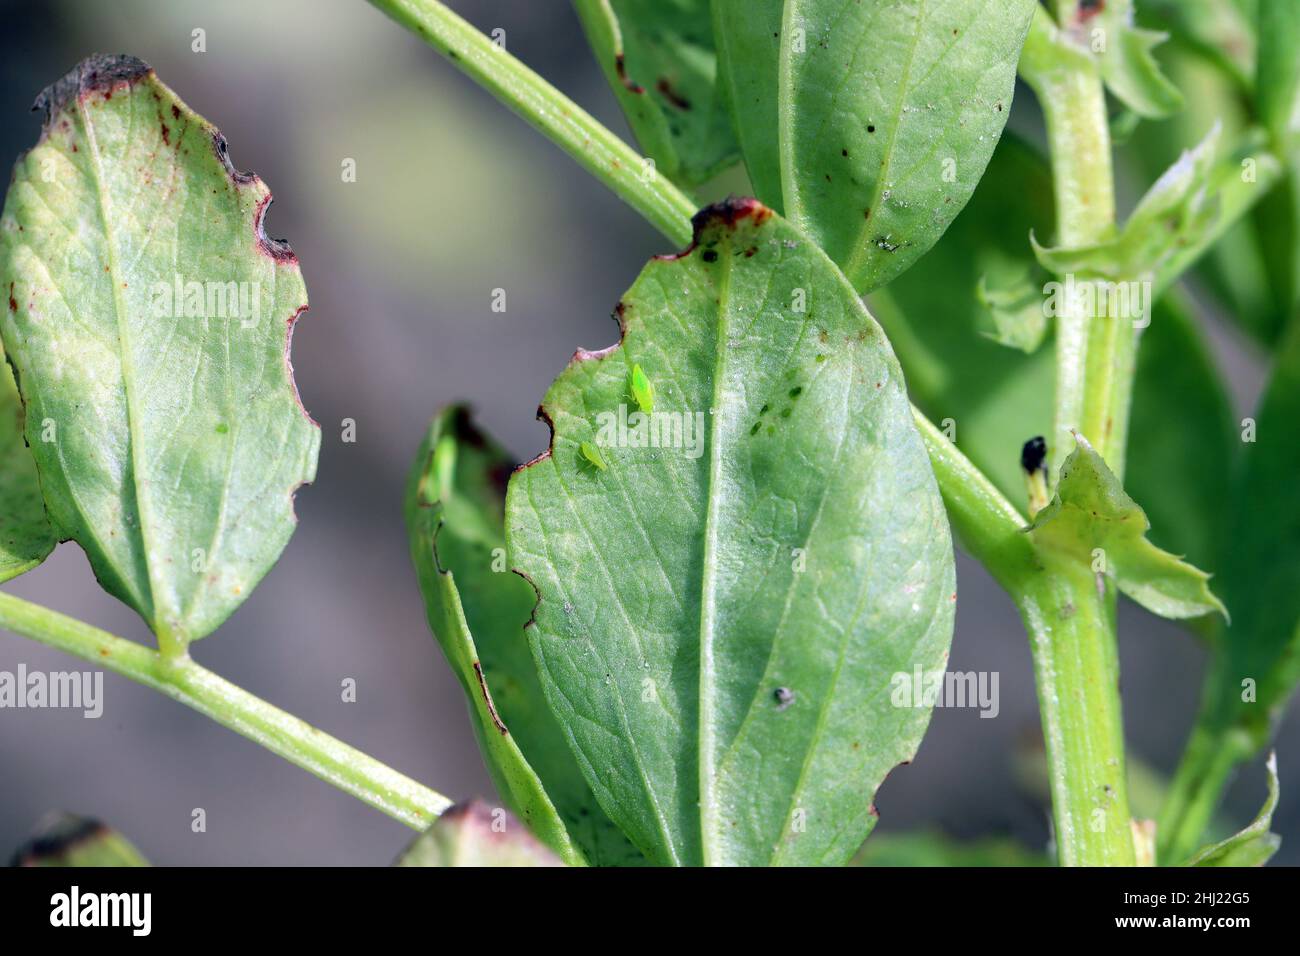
x: 453, y: 197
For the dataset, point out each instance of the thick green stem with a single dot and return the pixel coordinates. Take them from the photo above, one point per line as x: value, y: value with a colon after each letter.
x: 1073, y: 98
x: 1068, y: 621
x: 182, y: 679
x: 988, y: 526
x: 1068, y: 618
x: 552, y: 113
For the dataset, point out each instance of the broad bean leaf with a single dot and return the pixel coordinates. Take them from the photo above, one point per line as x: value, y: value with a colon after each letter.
x: 474, y: 834
x: 722, y: 607
x: 1277, y: 88
x: 659, y: 58
x: 880, y: 115
x: 26, y: 538
x: 1253, y: 845
x: 992, y: 398
x: 1013, y: 295
x: 1247, y: 270
x: 1277, y: 85
x: 1260, y: 655
x: 149, y: 318
x: 67, y: 840
x: 1091, y: 511
x: 1176, y: 212
x: 477, y: 610
x: 1183, y: 442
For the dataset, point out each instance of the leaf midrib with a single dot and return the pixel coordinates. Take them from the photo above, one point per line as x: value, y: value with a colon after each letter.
x: 166, y: 639
x: 707, y: 743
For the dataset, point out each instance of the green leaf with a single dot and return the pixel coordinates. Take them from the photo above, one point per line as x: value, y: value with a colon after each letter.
x: 1090, y: 511
x: 1277, y: 89
x: 1183, y: 442
x: 475, y: 834
x: 1248, y: 269
x: 936, y: 849
x: 1013, y: 295
x: 1175, y: 213
x: 26, y: 538
x: 880, y: 116
x: 66, y: 840
x: 477, y: 609
x: 659, y: 59
x: 994, y: 398
x: 722, y: 610
x: 1261, y: 578
x: 1277, y: 84
x: 1254, y: 845
x: 179, y: 437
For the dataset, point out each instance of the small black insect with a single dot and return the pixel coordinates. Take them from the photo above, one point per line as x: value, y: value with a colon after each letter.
x: 1033, y: 454
x: 784, y: 697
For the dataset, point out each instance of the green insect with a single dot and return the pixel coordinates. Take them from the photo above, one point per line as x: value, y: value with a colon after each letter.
x: 592, y: 454
x: 643, y: 392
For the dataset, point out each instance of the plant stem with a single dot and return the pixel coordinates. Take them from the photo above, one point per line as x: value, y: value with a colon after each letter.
x: 1068, y: 85
x: 1069, y: 616
x: 552, y: 113
x: 182, y: 679
x: 986, y: 523
x: 1076, y: 671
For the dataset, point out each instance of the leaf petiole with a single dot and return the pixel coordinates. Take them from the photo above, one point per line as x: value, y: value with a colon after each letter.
x: 183, y: 680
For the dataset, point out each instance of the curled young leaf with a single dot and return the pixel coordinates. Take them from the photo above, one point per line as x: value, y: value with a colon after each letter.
x: 477, y: 835
x: 868, y: 123
x: 1254, y: 845
x: 149, y: 318
x: 1012, y: 292
x: 26, y: 538
x: 659, y: 58
x: 1092, y: 521
x: 724, y: 612
x: 477, y: 610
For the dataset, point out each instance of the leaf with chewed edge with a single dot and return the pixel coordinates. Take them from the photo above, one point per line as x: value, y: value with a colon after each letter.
x: 722, y: 609
x: 477, y: 609
x: 149, y: 321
